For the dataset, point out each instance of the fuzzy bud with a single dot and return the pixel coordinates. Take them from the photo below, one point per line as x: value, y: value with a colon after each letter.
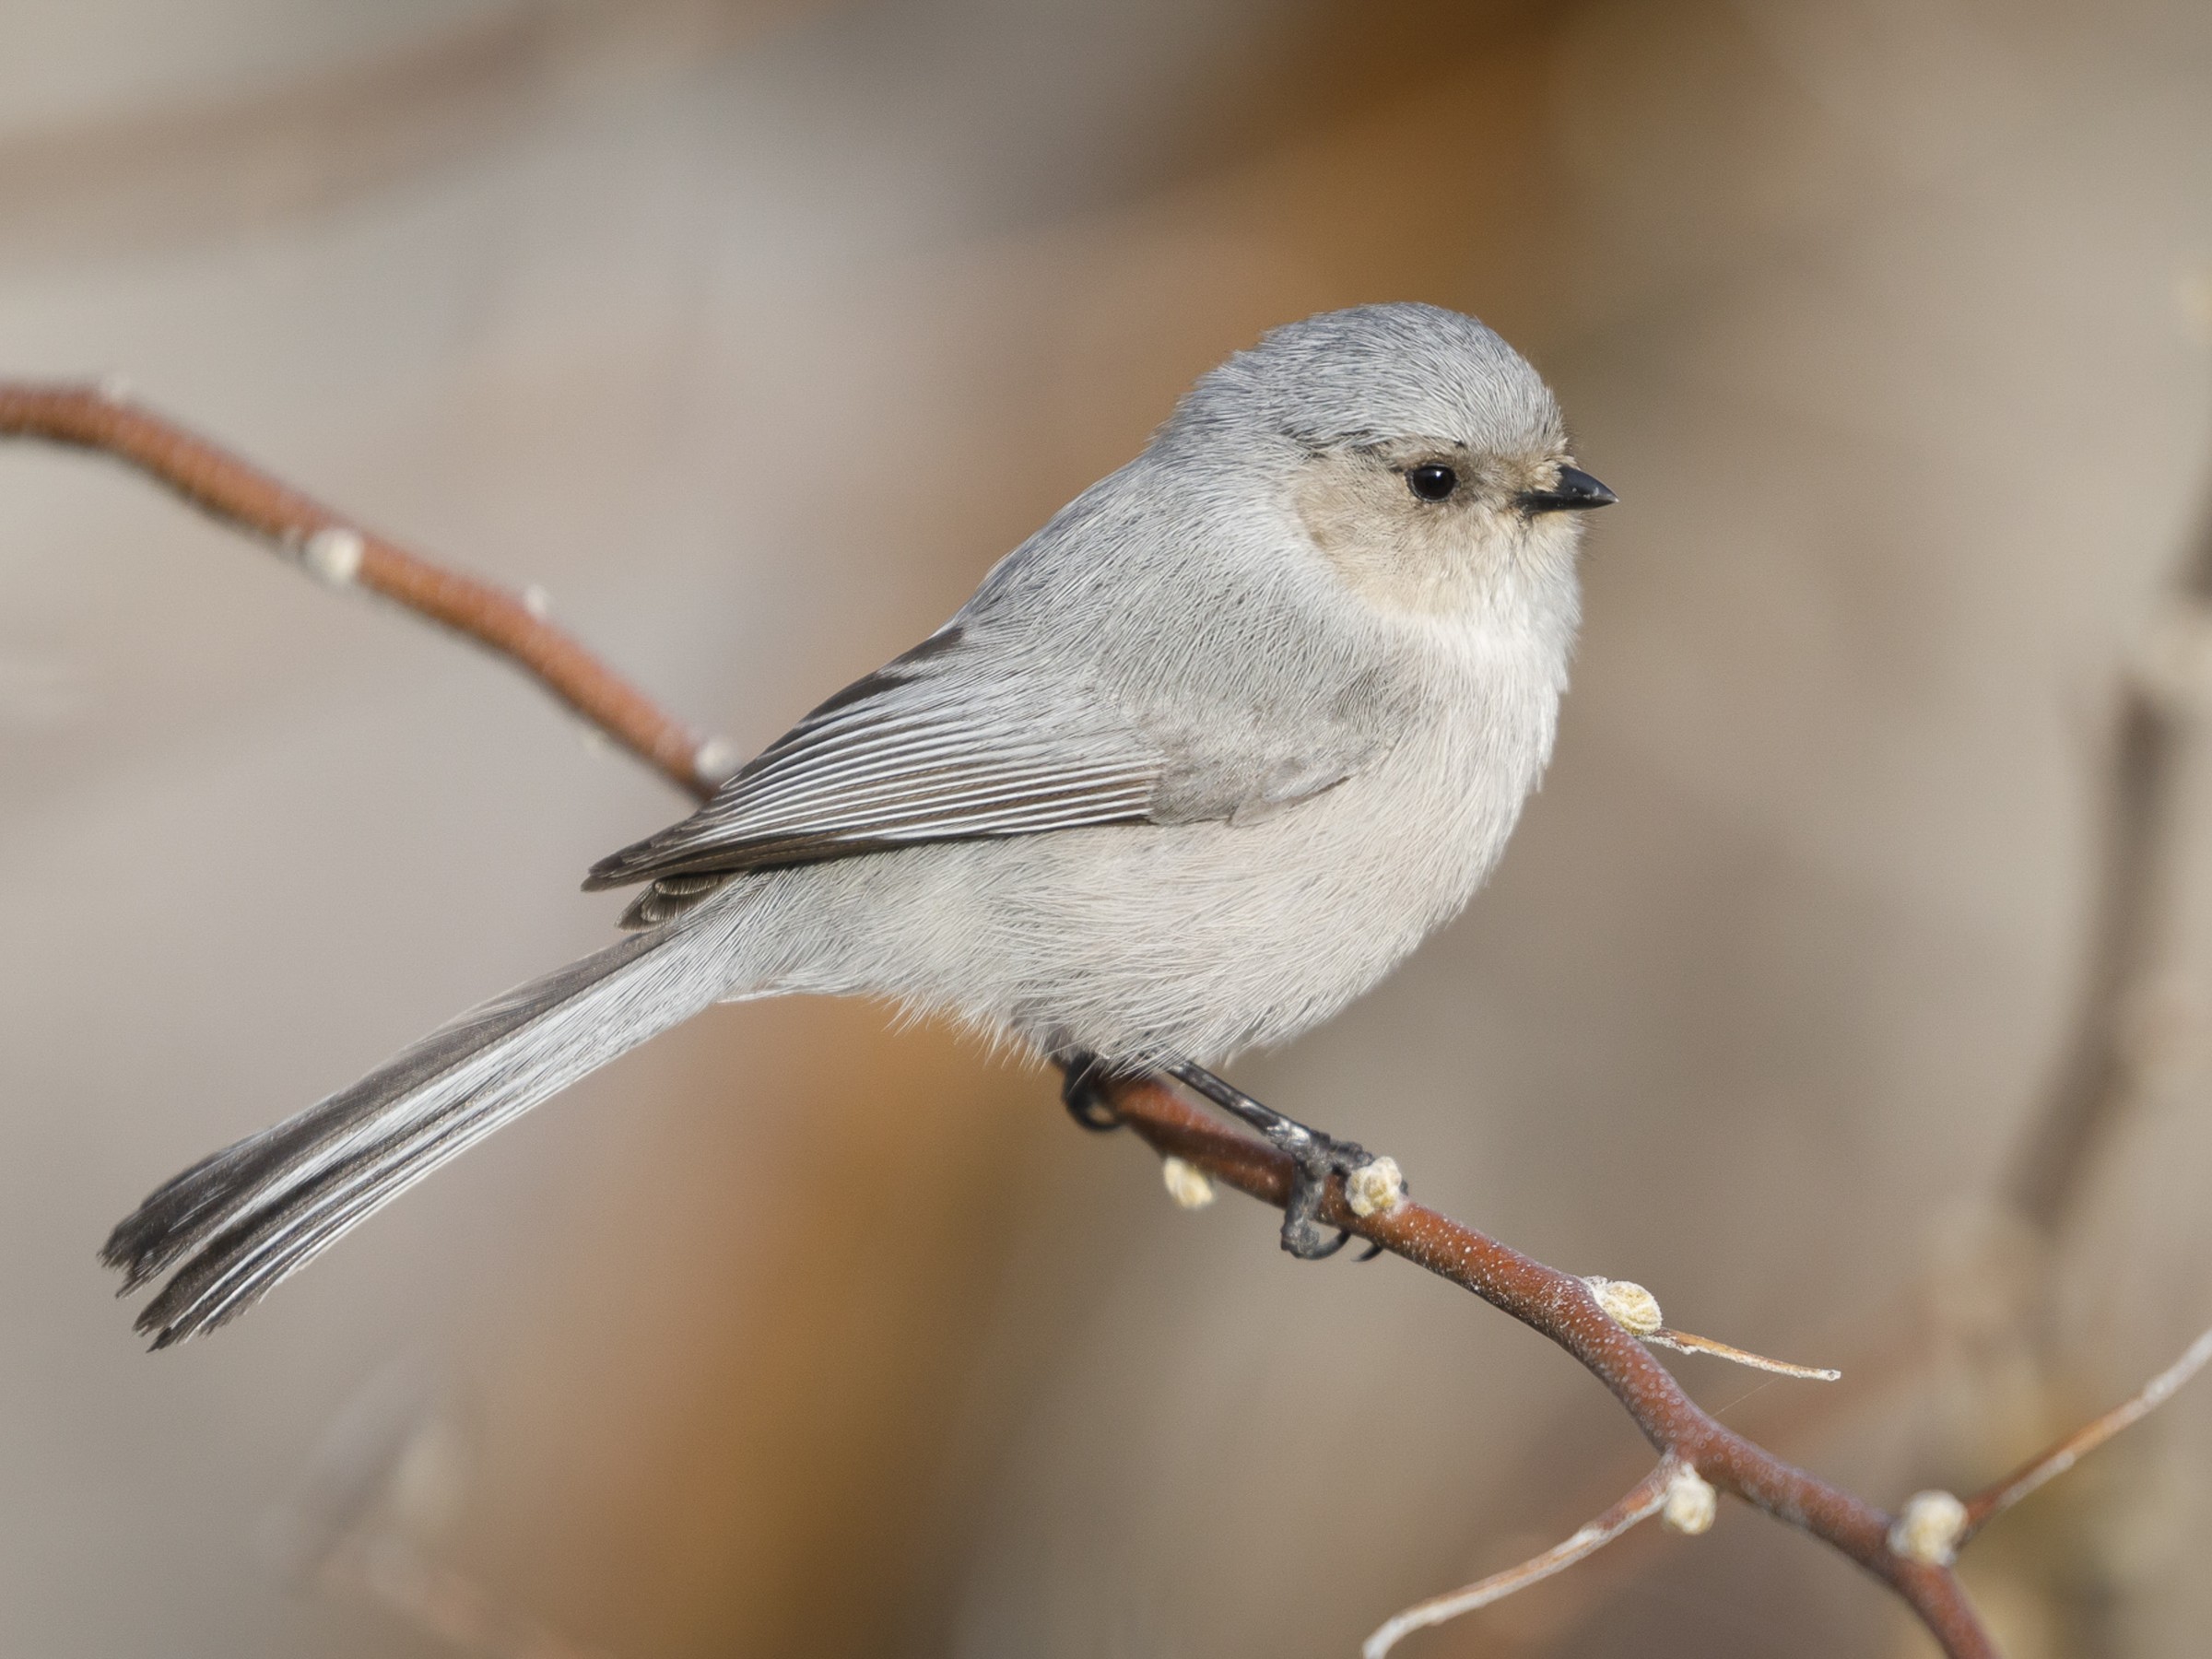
x: 1376, y: 1189
x: 1628, y: 1305
x: 334, y: 554
x: 716, y: 760
x: 1928, y: 1529
x: 1188, y: 1184
x: 1691, y: 1503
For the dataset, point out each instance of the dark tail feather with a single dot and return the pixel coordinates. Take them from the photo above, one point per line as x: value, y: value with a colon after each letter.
x: 255, y: 1212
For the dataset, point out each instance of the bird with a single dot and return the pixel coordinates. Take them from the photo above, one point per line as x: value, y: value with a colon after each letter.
x: 1198, y: 763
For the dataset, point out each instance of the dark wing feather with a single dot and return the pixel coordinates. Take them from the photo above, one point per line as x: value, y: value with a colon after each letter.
x: 945, y: 743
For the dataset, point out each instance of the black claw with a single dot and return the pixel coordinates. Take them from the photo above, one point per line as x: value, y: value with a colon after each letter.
x: 1079, y: 1080
x: 1310, y: 1249
x: 1304, y: 1235
x: 1092, y: 1113
x: 1318, y: 1158
x: 1315, y: 1157
x: 1370, y: 1253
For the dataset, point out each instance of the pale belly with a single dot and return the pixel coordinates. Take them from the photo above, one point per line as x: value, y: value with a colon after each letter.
x: 1139, y: 942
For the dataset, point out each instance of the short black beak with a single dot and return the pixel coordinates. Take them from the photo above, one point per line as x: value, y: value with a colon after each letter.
x: 1575, y: 492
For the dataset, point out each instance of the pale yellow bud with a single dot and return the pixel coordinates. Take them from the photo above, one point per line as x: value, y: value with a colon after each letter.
x: 1928, y: 1529
x: 1376, y: 1189
x: 1691, y: 1503
x: 334, y: 554
x: 1628, y: 1305
x: 1188, y: 1184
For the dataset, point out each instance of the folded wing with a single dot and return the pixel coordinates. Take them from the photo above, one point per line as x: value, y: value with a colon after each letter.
x: 946, y: 743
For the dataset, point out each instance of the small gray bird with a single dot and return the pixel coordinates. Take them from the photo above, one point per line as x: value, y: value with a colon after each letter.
x: 1198, y: 763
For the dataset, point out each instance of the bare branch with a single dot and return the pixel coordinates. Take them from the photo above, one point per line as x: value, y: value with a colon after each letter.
x: 2048, y: 1466
x: 1565, y: 1309
x: 1643, y: 1500
x: 341, y: 553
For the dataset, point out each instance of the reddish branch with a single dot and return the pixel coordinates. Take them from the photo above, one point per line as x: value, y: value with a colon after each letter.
x: 1556, y: 1303
x: 230, y: 489
x: 1561, y: 1307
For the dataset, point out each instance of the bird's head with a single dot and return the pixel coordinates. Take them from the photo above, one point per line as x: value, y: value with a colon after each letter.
x: 1423, y: 455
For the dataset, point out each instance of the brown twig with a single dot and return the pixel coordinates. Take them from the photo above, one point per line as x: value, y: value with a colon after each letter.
x: 1632, y: 1305
x: 332, y: 546
x: 1682, y: 1342
x: 1987, y: 1506
x: 1563, y: 1307
x: 1643, y: 1500
x: 1558, y: 1304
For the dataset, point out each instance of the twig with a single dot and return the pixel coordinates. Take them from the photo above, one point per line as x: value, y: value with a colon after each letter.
x: 2121, y: 1050
x: 1564, y: 1308
x: 1643, y: 1500
x: 2048, y: 1466
x: 1682, y: 1342
x: 330, y: 545
x: 1637, y: 1309
x: 1692, y: 1445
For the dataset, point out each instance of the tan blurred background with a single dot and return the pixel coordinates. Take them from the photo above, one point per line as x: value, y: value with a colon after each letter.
x: 795, y: 1334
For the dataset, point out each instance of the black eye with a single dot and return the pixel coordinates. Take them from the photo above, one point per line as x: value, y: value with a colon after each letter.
x: 1432, y: 482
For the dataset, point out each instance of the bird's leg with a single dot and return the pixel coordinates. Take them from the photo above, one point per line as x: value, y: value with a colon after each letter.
x: 1081, y: 1076
x: 1314, y: 1157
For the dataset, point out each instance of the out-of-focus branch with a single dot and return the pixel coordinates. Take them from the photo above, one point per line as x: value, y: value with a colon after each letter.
x: 355, y: 1528
x: 1911, y: 1553
x: 2136, y: 1029
x: 2095, y: 1079
x: 391, y: 1572
x: 341, y: 553
x: 2103, y: 1072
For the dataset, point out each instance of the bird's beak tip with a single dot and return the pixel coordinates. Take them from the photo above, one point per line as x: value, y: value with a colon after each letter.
x: 1576, y: 491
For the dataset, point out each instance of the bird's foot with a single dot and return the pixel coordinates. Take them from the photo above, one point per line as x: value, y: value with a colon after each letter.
x: 1370, y: 1183
x: 1082, y: 1091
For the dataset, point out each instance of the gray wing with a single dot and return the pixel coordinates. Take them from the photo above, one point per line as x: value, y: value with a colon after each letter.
x: 946, y: 743
x: 953, y: 741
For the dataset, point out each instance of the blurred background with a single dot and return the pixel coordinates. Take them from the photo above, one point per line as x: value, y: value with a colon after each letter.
x: 1846, y: 983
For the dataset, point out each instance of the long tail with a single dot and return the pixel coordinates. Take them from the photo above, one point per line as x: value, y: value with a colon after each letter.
x: 256, y: 1211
